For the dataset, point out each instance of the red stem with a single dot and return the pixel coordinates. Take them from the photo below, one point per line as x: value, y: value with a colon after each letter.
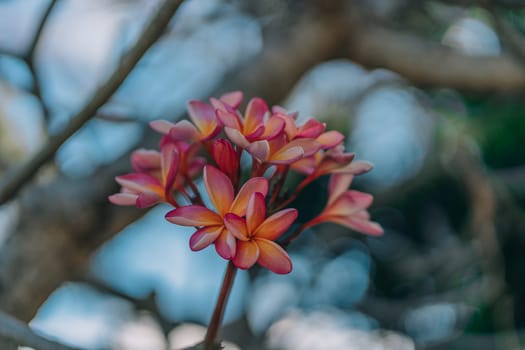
x: 216, y: 318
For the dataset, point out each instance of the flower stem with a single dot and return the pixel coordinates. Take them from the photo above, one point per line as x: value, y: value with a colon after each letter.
x: 216, y: 318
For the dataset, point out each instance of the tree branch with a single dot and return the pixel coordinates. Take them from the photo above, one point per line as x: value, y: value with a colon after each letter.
x: 18, y: 332
x: 16, y: 178
x: 431, y: 64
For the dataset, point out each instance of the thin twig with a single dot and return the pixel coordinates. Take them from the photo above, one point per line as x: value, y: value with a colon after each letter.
x: 18, y: 177
x: 21, y: 334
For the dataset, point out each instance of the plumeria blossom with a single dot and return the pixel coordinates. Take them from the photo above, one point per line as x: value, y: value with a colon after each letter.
x: 347, y: 207
x: 256, y: 235
x: 211, y: 223
x: 243, y: 222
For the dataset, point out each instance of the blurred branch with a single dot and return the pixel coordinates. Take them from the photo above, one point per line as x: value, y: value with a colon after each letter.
x: 16, y: 178
x: 431, y: 64
x: 18, y: 332
x: 29, y: 57
x: 508, y: 34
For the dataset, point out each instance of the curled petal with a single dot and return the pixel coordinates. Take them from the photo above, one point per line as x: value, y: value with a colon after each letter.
x: 123, y: 198
x: 256, y: 184
x: 247, y: 254
x: 311, y: 129
x: 226, y: 158
x: 273, y: 257
x: 161, y: 126
x: 355, y: 168
x: 219, y: 188
x: 256, y: 212
x: 272, y: 128
x: 194, y: 215
x: 226, y: 245
x: 204, y: 237
x: 349, y: 203
x: 274, y: 226
x: 170, y: 158
x: 236, y: 226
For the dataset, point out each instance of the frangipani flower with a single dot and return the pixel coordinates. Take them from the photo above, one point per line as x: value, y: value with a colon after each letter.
x: 210, y: 223
x: 154, y: 181
x: 347, y: 207
x: 205, y: 124
x: 256, y: 235
x: 280, y: 151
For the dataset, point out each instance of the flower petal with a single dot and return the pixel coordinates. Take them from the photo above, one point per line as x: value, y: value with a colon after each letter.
x: 226, y: 158
x: 162, y: 126
x: 349, y: 203
x: 226, y: 245
x: 272, y: 128
x: 233, y: 99
x: 143, y: 160
x: 330, y: 139
x: 148, y: 199
x: 219, y: 188
x: 204, y: 237
x: 338, y: 185
x: 236, y: 137
x: 247, y: 254
x: 312, y: 128
x: 259, y: 149
x: 256, y: 184
x: 123, y: 198
x: 256, y: 212
x: 355, y: 168
x: 183, y: 131
x: 355, y: 223
x: 194, y: 215
x: 286, y: 155
x: 203, y: 116
x: 139, y: 182
x: 273, y: 257
x: 236, y: 226
x: 274, y: 226
x: 170, y: 159
x: 254, y: 116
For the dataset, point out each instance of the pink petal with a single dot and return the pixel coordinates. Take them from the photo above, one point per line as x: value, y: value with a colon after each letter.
x: 184, y: 131
x: 348, y: 203
x: 226, y: 245
x: 162, y: 126
x: 339, y: 183
x: 138, y: 182
x: 287, y: 155
x: 204, y: 237
x: 273, y: 257
x: 194, y: 215
x: 247, y: 254
x: 229, y: 119
x: 309, y: 146
x: 260, y: 150
x: 236, y: 226
x: 226, y: 158
x: 148, y: 199
x: 360, y: 225
x: 236, y: 137
x: 254, y: 134
x: 203, y: 116
x: 256, y: 212
x: 143, y: 160
x: 219, y: 188
x: 170, y: 159
x: 272, y: 128
x: 256, y: 184
x: 254, y: 116
x: 330, y: 139
x: 123, y: 198
x: 355, y: 168
x: 233, y: 99
x: 311, y: 129
x: 274, y: 226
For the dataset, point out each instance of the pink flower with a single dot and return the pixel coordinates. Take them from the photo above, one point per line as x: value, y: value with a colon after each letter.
x: 347, y: 207
x: 256, y: 235
x: 210, y: 223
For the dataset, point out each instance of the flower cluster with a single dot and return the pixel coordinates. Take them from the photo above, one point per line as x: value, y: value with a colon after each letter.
x: 249, y: 207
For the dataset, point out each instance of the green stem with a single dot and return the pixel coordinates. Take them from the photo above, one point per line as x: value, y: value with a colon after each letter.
x: 216, y: 318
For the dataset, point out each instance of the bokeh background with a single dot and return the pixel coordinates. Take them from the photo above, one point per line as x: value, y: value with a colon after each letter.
x: 431, y: 92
